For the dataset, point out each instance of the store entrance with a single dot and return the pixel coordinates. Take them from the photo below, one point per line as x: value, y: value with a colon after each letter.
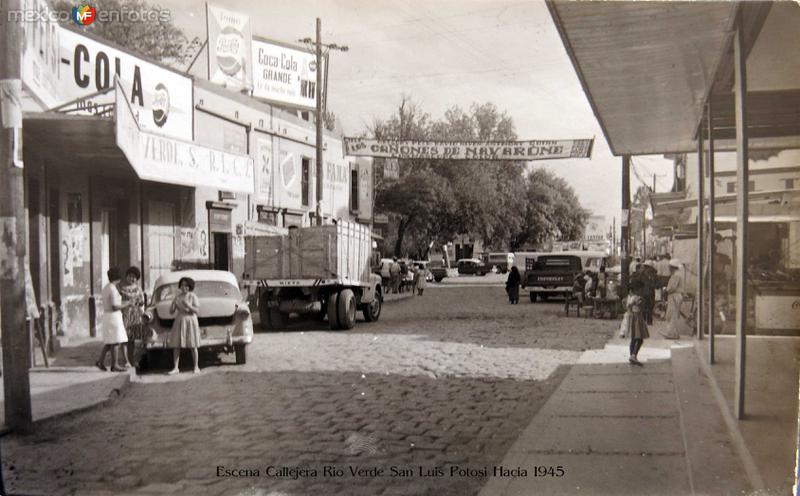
x: 222, y: 243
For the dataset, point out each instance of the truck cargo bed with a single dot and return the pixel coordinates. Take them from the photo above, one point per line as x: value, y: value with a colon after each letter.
x: 332, y: 254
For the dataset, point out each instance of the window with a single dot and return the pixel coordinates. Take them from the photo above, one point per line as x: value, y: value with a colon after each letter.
x: 354, y: 190
x: 788, y: 184
x: 306, y: 193
x: 731, y: 187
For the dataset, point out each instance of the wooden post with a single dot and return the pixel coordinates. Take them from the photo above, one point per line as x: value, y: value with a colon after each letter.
x: 712, y: 233
x: 625, y: 223
x: 742, y: 213
x: 13, y: 232
x: 700, y: 207
x: 320, y: 110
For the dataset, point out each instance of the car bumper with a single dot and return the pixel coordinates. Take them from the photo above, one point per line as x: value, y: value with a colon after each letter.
x: 210, y: 337
x: 557, y: 289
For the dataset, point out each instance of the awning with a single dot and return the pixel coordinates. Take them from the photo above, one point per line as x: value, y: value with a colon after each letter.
x: 648, y: 68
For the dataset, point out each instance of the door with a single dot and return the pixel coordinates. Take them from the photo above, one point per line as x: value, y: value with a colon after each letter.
x: 222, y: 243
x: 160, y: 240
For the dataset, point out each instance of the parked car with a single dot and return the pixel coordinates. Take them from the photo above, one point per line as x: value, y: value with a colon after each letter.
x: 422, y: 265
x: 503, y: 261
x: 224, y: 316
x: 472, y: 266
x: 437, y: 270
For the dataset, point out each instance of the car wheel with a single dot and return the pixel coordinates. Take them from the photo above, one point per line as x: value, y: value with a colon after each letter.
x: 263, y: 314
x: 278, y: 319
x: 333, y: 310
x: 241, y: 353
x: 532, y: 296
x: 347, y: 309
x: 373, y: 310
x: 438, y: 279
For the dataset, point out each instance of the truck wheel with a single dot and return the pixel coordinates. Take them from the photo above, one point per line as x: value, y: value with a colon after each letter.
x: 373, y: 310
x: 532, y: 296
x: 347, y: 309
x: 241, y: 353
x: 278, y: 319
x: 263, y: 314
x: 333, y: 310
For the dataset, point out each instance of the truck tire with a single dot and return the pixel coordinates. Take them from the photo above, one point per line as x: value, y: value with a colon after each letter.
x: 372, y: 311
x: 240, y: 350
x: 532, y: 296
x: 333, y: 311
x: 347, y: 309
x: 278, y: 319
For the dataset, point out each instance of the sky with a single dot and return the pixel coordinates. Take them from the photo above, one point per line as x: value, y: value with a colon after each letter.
x: 443, y: 53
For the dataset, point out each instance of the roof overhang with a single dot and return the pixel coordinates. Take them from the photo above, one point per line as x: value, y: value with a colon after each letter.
x: 649, y: 68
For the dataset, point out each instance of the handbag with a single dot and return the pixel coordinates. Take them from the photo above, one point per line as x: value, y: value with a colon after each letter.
x: 624, y: 325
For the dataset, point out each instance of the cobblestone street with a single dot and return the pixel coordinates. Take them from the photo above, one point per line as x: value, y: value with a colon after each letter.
x: 441, y: 384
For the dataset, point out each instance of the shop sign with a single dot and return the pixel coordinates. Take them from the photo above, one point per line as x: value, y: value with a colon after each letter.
x: 380, y: 219
x: 469, y: 150
x: 168, y: 160
x: 284, y: 74
x: 229, y: 49
x: 40, y: 52
x: 336, y: 192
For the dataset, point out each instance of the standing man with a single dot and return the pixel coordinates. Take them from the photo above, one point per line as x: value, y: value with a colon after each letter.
x: 394, y: 274
x: 675, y: 299
x: 662, y: 267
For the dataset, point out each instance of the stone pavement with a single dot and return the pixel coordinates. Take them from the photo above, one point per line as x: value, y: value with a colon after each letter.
x: 615, y: 428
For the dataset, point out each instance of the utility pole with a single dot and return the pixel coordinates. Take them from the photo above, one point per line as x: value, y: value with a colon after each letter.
x: 13, y: 231
x: 320, y: 49
x: 625, y: 223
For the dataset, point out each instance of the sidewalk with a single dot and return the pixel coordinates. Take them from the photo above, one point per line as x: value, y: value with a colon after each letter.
x: 620, y: 429
x: 71, y: 383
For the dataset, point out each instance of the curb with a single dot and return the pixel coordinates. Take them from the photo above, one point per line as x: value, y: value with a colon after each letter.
x: 749, y: 464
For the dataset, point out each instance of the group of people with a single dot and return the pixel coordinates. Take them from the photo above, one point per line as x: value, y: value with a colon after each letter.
x: 398, y: 275
x: 123, y: 323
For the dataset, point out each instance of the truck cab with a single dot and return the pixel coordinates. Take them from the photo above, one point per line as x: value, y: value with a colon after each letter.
x: 551, y: 275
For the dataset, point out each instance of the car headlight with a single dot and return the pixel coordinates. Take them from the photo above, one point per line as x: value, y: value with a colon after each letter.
x: 243, y: 312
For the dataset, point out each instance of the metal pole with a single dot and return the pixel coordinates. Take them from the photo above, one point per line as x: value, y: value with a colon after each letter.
x: 712, y: 232
x: 318, y: 49
x: 742, y: 212
x: 625, y: 224
x: 13, y: 232
x: 700, y: 211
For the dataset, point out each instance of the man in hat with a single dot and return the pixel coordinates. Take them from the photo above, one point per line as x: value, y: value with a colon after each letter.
x: 674, y: 299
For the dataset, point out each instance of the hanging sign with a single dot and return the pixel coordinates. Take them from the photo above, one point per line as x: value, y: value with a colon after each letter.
x: 469, y: 150
x: 229, y: 52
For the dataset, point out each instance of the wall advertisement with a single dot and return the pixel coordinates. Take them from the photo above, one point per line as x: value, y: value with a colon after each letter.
x: 284, y: 74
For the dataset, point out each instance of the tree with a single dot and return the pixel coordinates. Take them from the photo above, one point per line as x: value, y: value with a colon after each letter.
x: 133, y: 24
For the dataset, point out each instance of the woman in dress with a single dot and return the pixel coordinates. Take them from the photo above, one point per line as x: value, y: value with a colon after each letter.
x: 512, y: 285
x: 111, y: 325
x: 132, y: 315
x: 185, y: 331
x: 637, y: 327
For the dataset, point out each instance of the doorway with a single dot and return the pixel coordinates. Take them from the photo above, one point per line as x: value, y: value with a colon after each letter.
x: 222, y: 242
x: 160, y: 239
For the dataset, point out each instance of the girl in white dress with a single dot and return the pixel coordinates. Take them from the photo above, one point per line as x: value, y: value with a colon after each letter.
x: 112, y: 326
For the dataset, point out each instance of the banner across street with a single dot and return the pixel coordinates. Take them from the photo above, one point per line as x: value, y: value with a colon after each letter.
x: 469, y: 150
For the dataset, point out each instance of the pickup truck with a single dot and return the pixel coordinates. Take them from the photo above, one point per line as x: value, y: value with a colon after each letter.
x: 550, y: 275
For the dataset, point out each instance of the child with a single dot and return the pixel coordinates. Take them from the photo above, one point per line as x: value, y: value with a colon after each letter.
x: 637, y: 327
x: 185, y: 331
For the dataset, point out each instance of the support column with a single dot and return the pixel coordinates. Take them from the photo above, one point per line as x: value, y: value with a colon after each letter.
x: 625, y: 223
x: 742, y: 213
x: 700, y: 216
x: 712, y: 233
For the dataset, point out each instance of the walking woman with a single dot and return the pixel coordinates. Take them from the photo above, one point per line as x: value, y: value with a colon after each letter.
x: 637, y: 327
x: 185, y: 331
x: 132, y: 315
x: 674, y: 300
x: 112, y: 326
x: 512, y: 285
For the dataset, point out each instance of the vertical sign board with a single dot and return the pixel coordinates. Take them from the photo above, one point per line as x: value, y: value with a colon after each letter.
x: 391, y: 168
x: 229, y: 51
x: 364, y: 188
x: 336, y: 196
x: 284, y: 74
x: 264, y: 170
x: 288, y: 176
x: 40, y: 51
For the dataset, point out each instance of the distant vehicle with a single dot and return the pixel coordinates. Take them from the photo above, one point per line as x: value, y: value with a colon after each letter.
x: 224, y: 317
x: 503, y: 261
x: 472, y: 266
x: 590, y: 259
x: 383, y: 268
x: 437, y: 270
x: 551, y: 275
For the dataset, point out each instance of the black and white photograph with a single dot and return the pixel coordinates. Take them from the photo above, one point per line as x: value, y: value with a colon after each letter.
x: 399, y: 247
